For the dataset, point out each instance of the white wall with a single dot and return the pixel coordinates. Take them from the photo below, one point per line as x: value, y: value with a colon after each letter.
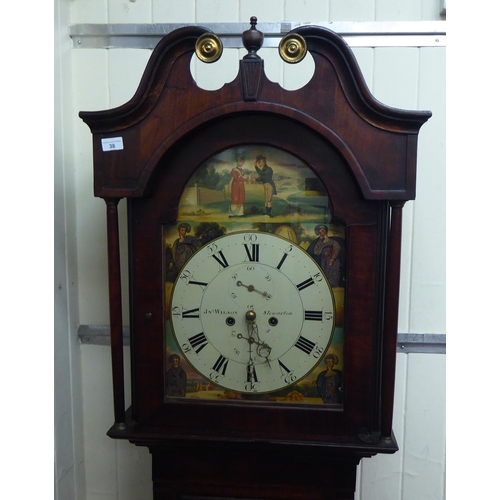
x: 69, y: 453
x: 95, y: 79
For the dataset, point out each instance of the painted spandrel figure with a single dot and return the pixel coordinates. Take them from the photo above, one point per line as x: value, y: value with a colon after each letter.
x: 329, y: 382
x: 175, y: 378
x: 326, y: 252
x: 184, y: 246
x: 266, y: 177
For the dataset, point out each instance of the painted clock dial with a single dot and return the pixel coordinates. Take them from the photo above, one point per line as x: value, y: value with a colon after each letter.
x: 252, y: 312
x: 255, y: 234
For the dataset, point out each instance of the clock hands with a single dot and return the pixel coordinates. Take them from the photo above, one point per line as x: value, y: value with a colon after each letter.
x: 251, y: 288
x: 263, y: 349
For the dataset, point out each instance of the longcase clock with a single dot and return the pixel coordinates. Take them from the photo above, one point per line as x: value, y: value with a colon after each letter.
x: 264, y: 231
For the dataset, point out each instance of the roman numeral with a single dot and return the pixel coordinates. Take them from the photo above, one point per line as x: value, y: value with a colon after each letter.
x: 198, y: 342
x: 283, y: 368
x: 286, y: 374
x: 221, y: 259
x: 251, y: 374
x: 220, y: 365
x: 305, y: 284
x: 285, y: 255
x: 313, y: 315
x: 198, y: 283
x: 305, y: 345
x: 192, y: 313
x: 252, y: 252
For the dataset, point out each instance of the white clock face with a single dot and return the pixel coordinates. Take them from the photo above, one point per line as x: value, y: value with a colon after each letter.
x: 252, y: 312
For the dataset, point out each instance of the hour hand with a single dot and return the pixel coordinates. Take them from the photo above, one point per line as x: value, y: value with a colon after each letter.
x: 251, y: 340
x: 263, y: 349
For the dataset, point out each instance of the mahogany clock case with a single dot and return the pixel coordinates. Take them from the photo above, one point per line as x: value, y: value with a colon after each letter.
x: 364, y: 154
x: 367, y: 223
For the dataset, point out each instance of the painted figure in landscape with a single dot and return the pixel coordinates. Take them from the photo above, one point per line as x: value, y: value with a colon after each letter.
x: 326, y: 252
x: 266, y: 177
x: 237, y: 187
x: 329, y: 382
x: 175, y: 378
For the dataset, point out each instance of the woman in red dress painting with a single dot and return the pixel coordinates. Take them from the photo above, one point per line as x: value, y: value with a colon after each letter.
x: 238, y: 188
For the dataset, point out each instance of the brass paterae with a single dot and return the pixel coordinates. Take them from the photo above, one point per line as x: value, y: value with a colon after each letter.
x: 293, y: 48
x: 208, y: 48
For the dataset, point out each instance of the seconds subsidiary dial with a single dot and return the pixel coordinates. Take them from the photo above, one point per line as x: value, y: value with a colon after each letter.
x: 252, y: 312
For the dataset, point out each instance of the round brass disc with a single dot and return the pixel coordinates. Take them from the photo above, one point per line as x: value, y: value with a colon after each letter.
x: 293, y: 48
x: 208, y: 48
